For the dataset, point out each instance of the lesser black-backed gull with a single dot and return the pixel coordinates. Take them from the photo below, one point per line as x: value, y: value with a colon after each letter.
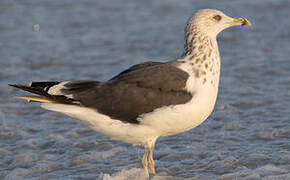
x: 151, y: 99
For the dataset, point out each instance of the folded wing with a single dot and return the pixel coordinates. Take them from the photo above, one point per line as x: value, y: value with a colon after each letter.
x: 135, y: 91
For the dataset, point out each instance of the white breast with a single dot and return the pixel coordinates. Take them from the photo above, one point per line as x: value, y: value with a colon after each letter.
x: 179, y: 118
x: 203, y: 84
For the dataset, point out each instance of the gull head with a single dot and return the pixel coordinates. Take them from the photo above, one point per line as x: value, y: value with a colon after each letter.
x: 212, y: 22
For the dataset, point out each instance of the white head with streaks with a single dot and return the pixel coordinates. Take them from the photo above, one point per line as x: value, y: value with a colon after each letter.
x: 211, y: 22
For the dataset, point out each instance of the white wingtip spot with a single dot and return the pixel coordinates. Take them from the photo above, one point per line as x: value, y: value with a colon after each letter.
x: 56, y: 89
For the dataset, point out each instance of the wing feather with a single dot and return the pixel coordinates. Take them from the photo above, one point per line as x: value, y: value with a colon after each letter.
x: 135, y: 91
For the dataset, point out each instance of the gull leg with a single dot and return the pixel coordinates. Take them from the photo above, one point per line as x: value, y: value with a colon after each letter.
x: 151, y: 160
x: 145, y: 161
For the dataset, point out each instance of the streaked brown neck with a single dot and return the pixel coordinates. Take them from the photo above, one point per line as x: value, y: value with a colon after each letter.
x: 201, y: 56
x: 198, y: 42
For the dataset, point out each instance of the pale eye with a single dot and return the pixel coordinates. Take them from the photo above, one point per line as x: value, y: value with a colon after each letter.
x: 217, y: 17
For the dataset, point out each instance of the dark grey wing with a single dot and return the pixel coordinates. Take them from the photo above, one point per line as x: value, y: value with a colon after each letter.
x: 133, y: 93
x: 138, y: 90
x: 137, y: 67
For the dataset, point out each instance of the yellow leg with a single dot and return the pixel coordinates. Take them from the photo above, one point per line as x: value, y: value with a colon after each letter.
x: 145, y: 161
x: 151, y: 160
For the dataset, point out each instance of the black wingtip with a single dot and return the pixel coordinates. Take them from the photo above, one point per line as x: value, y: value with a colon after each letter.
x: 13, y: 85
x: 28, y: 88
x: 16, y: 85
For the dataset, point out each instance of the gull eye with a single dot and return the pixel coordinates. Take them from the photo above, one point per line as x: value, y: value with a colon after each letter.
x: 217, y: 17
